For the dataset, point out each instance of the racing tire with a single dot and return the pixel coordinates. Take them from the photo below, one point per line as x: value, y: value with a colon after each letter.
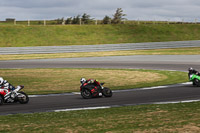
x: 107, y: 92
x: 196, y: 82
x: 86, y: 94
x: 1, y: 100
x: 23, y: 98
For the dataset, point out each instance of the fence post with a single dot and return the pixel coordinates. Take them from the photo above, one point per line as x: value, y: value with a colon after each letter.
x: 168, y: 21
x: 195, y: 21
x: 96, y: 22
x: 44, y: 22
x: 138, y: 22
x: 14, y: 22
x: 28, y: 22
x: 63, y: 22
x: 80, y: 21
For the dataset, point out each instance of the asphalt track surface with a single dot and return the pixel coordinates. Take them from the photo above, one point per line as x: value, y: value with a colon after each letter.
x: 50, y: 103
x: 95, y: 48
x: 158, y: 62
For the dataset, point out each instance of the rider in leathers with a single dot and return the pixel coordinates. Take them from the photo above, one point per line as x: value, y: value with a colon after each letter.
x: 6, y: 86
x: 90, y: 81
x: 192, y: 71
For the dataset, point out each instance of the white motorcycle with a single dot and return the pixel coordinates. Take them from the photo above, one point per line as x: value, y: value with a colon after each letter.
x: 11, y: 96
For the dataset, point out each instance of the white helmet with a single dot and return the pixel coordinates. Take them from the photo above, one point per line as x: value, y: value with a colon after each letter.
x: 190, y: 69
x: 1, y: 80
x: 82, y: 80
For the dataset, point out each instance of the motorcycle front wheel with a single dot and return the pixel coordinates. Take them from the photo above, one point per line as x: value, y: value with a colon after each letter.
x: 196, y: 82
x: 86, y: 94
x: 22, y: 97
x: 107, y: 92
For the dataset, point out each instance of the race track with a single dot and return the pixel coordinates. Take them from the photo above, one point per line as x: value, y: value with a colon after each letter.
x: 120, y: 98
x: 71, y: 101
x: 97, y: 48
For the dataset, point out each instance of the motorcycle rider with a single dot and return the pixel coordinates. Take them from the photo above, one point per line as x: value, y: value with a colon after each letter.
x: 6, y: 86
x: 2, y: 82
x: 82, y: 81
x: 89, y: 81
x: 192, y: 71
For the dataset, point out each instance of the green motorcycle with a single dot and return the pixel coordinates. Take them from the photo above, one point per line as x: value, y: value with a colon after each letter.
x: 195, y: 79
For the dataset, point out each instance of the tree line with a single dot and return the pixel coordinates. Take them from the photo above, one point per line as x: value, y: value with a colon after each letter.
x: 118, y: 17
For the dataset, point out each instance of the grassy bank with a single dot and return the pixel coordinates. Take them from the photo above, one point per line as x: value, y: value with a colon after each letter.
x: 182, y: 117
x: 16, y: 36
x: 44, y: 81
x: 176, y: 51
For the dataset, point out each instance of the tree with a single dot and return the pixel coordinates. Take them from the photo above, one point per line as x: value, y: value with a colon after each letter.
x: 68, y: 21
x: 106, y: 20
x: 60, y: 20
x: 85, y: 18
x: 76, y: 20
x: 118, y: 16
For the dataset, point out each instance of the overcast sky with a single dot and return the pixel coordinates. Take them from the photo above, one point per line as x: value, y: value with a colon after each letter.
x: 173, y: 10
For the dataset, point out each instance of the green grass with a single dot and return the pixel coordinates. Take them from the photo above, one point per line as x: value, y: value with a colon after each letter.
x: 175, y: 51
x: 182, y: 117
x: 19, y: 35
x: 44, y: 81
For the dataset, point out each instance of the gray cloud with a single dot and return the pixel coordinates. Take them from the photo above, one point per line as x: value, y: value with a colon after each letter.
x: 135, y: 9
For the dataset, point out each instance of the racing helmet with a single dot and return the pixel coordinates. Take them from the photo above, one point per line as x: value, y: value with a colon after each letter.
x: 82, y: 80
x: 1, y: 80
x: 190, y: 69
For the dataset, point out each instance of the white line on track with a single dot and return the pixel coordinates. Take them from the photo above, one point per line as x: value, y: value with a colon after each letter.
x: 47, y: 95
x: 86, y: 108
x: 186, y: 101
x: 106, y: 107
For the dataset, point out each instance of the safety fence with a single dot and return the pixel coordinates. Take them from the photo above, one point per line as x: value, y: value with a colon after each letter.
x: 93, y: 22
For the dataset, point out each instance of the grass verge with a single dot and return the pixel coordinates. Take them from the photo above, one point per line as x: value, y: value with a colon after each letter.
x: 44, y: 81
x: 182, y: 117
x: 175, y: 51
x: 24, y: 36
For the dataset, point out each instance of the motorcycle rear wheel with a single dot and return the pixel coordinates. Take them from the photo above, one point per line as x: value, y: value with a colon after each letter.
x: 23, y: 99
x: 86, y: 94
x: 107, y: 92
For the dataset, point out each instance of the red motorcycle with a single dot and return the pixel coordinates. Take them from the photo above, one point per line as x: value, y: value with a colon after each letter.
x: 91, y: 90
x: 11, y: 96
